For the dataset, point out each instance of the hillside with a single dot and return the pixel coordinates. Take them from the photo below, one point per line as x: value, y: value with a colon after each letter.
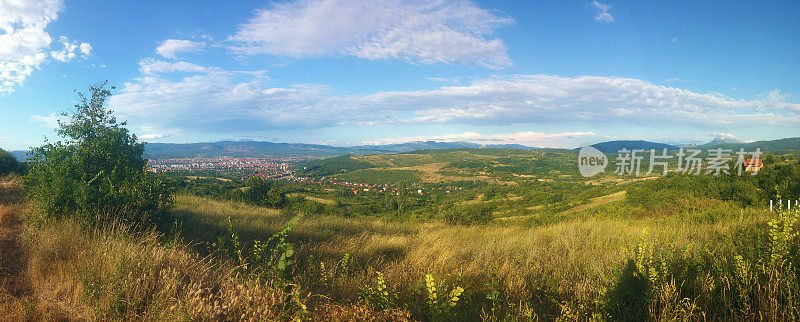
x: 476, y: 222
x: 614, y: 146
x: 271, y: 149
x: 786, y: 145
x: 450, y: 164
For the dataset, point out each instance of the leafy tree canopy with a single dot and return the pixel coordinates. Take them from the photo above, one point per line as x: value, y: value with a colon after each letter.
x: 97, y: 173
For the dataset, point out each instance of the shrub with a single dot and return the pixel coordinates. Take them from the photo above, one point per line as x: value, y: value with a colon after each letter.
x: 376, y: 293
x: 261, y: 193
x: 480, y: 213
x: 8, y: 163
x: 441, y: 305
x: 272, y: 259
x: 98, y: 173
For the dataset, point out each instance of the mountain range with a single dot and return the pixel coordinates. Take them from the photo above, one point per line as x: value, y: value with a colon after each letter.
x: 271, y: 149
x: 614, y: 146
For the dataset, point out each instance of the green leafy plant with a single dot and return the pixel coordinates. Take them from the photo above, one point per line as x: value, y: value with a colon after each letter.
x: 273, y: 258
x: 376, y: 293
x: 784, y: 234
x: 441, y: 307
x: 343, y: 267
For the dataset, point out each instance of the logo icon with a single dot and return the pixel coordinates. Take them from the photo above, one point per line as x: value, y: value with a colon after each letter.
x: 591, y: 161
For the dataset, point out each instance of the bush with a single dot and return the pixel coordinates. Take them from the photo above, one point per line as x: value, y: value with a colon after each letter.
x: 8, y: 163
x: 98, y: 174
x: 469, y: 214
x: 261, y: 193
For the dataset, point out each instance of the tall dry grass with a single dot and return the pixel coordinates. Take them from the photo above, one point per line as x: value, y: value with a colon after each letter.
x: 5, y: 213
x: 115, y: 274
x: 564, y: 269
x: 577, y: 269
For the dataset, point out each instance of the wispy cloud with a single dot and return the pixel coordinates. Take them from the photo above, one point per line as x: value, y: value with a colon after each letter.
x: 148, y: 136
x: 602, y: 12
x: 425, y: 32
x: 168, y: 48
x: 50, y: 120
x: 150, y: 66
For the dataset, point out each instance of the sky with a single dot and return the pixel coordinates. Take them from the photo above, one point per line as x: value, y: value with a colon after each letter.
x: 349, y: 72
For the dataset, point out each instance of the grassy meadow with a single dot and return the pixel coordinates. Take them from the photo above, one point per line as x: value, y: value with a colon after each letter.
x: 506, y: 270
x: 519, y: 235
x: 471, y: 235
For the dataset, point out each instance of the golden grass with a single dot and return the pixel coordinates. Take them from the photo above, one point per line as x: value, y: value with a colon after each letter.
x: 5, y: 213
x: 597, y: 201
x: 114, y: 274
x: 9, y: 189
x: 312, y: 198
x: 581, y: 257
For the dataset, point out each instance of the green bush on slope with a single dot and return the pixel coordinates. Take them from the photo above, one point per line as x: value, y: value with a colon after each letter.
x: 98, y: 173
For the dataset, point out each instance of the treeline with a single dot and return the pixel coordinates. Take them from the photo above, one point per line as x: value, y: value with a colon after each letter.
x: 780, y: 178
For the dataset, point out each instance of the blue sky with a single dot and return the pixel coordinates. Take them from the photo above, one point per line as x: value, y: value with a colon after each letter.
x: 343, y: 72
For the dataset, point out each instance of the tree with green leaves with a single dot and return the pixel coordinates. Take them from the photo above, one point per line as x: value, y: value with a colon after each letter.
x: 261, y: 192
x: 97, y: 173
x: 8, y: 163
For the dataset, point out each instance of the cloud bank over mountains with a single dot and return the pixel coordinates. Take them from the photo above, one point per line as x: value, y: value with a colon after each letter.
x: 211, y: 99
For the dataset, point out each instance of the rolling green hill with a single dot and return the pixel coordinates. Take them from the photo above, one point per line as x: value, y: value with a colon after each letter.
x: 787, y: 145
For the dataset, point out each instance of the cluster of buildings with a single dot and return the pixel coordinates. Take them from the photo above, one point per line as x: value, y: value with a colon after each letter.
x: 354, y: 186
x: 262, y: 167
x: 271, y: 168
x: 361, y: 188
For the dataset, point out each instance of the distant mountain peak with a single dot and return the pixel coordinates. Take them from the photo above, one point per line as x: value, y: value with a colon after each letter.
x: 722, y: 140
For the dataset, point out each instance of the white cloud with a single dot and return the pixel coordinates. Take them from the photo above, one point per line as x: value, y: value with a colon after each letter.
x: 723, y: 135
x: 86, y: 49
x: 227, y: 102
x: 24, y: 43
x: 545, y: 98
x: 168, y: 48
x: 149, y: 136
x: 67, y: 53
x: 150, y: 66
x: 602, y: 12
x: 223, y: 102
x: 446, y: 80
x: 528, y: 138
x: 50, y: 120
x: 419, y: 31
